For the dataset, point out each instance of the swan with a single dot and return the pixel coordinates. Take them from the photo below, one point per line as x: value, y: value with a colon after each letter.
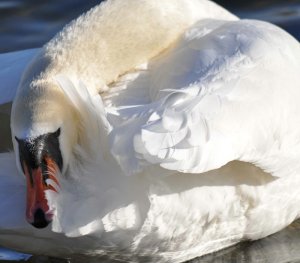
x: 159, y: 137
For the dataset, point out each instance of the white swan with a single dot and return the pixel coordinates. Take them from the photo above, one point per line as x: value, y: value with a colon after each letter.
x: 159, y: 167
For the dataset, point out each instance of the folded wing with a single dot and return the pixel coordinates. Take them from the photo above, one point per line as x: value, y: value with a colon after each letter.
x: 200, y: 115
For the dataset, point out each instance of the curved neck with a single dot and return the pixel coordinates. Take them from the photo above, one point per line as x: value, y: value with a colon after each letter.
x: 111, y: 39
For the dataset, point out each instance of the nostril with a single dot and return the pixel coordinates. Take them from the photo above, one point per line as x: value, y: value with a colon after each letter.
x: 40, y: 220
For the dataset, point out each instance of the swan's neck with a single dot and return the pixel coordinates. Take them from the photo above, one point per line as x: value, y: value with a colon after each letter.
x: 116, y: 36
x: 111, y: 39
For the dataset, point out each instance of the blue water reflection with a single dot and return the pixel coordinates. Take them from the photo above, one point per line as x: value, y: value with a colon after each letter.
x: 6, y: 254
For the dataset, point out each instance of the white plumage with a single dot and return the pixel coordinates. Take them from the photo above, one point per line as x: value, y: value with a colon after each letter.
x: 162, y: 165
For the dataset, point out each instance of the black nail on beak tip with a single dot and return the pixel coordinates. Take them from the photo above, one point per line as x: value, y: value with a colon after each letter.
x: 40, y: 220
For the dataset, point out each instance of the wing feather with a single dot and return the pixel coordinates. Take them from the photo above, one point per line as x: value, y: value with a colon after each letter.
x: 210, y: 99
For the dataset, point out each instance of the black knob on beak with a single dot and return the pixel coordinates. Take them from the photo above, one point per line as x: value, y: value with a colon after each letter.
x: 40, y: 220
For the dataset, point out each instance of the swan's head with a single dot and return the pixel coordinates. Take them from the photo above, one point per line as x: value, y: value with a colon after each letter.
x: 43, y: 131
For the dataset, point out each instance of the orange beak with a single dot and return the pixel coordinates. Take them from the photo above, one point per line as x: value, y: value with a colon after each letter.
x: 41, y: 161
x: 38, y: 181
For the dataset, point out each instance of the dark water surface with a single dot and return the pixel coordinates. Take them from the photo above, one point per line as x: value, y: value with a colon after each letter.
x: 31, y: 23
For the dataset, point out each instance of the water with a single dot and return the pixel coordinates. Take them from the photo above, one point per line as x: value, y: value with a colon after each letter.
x: 31, y: 23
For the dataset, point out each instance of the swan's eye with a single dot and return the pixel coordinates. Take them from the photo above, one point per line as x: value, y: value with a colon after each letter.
x: 38, y: 152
